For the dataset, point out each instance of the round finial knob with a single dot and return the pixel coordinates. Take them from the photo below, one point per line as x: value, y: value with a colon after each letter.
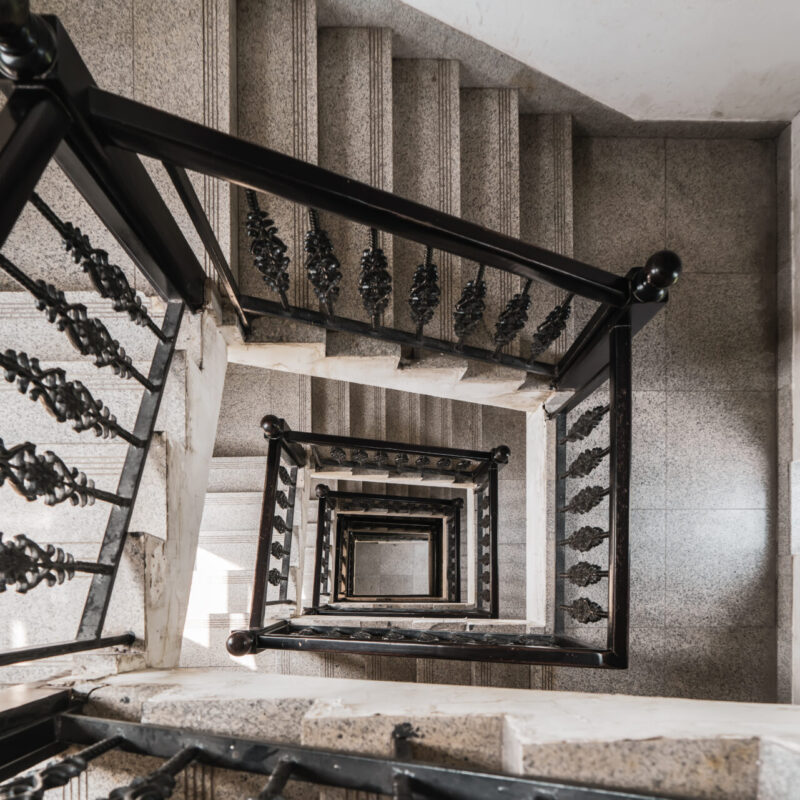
x: 240, y: 643
x: 28, y: 49
x: 660, y: 272
x: 273, y: 426
x: 322, y: 491
x: 501, y: 454
x: 459, y: 502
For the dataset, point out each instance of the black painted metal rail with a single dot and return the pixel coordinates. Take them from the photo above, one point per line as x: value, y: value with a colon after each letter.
x: 400, y: 776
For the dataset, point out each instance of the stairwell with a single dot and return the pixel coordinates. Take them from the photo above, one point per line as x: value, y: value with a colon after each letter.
x: 332, y: 84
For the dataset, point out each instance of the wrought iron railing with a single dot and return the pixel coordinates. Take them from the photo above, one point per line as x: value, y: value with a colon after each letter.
x: 396, y: 509
x: 400, y: 776
x: 26, y: 564
x: 55, y: 112
x: 326, y: 455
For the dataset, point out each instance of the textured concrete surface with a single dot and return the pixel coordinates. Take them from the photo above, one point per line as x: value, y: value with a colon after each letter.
x: 703, y: 488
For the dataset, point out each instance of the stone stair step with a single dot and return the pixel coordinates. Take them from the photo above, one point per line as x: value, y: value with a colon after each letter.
x: 237, y: 474
x: 50, y: 614
x: 23, y: 327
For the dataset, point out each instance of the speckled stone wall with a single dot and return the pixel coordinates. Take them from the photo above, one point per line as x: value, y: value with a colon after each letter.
x: 703, y: 536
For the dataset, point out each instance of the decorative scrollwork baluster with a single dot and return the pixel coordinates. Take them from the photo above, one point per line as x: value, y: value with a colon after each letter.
x: 159, y: 784
x: 278, y: 550
x: 281, y: 499
x: 375, y: 280
x: 584, y: 539
x: 554, y: 325
x: 359, y: 456
x: 470, y: 307
x: 88, y: 336
x: 322, y: 266
x: 513, y: 319
x: 45, y: 475
x: 25, y: 564
x: 584, y: 574
x: 586, y: 462
x: 267, y: 248
x: 585, y: 424
x: 108, y: 279
x: 65, y: 400
x: 586, y: 499
x: 585, y: 611
x: 60, y: 773
x: 279, y: 524
x: 286, y: 478
x: 425, y: 292
x: 338, y: 455
x: 275, y: 577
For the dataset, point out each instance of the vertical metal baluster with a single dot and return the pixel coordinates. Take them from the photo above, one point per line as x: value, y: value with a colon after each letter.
x: 425, y: 292
x: 268, y: 249
x: 513, y: 319
x: 277, y: 780
x: 469, y: 309
x: 375, y: 281
x: 287, y: 537
x: 322, y: 266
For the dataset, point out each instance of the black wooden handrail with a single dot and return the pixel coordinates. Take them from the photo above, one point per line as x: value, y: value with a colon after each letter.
x: 157, y: 134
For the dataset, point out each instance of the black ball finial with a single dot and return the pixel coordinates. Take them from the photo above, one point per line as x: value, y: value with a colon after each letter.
x: 240, y: 643
x: 27, y: 43
x: 273, y: 426
x: 459, y: 502
x: 322, y: 491
x: 660, y: 272
x: 500, y: 455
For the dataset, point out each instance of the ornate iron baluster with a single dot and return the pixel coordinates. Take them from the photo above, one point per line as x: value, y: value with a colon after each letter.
x: 281, y: 499
x: 338, y: 455
x: 159, y: 784
x: 513, y: 319
x: 33, y: 786
x: 26, y: 564
x: 585, y: 611
x: 359, y: 456
x: 584, y: 539
x: 108, y: 279
x: 322, y: 266
x: 45, y: 475
x: 285, y: 477
x: 586, y: 499
x: 88, y: 336
x: 585, y: 424
x: 279, y: 524
x: 277, y: 780
x: 586, y: 462
x: 425, y: 292
x: 375, y: 281
x: 275, y: 577
x: 584, y: 574
x: 65, y: 400
x: 470, y: 307
x: 554, y: 325
x: 267, y: 248
x: 277, y: 550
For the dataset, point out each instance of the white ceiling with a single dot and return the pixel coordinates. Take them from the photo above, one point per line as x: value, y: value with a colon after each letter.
x: 650, y: 59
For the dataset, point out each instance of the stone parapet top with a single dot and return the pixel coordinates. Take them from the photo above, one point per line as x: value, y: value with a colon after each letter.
x: 533, y: 716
